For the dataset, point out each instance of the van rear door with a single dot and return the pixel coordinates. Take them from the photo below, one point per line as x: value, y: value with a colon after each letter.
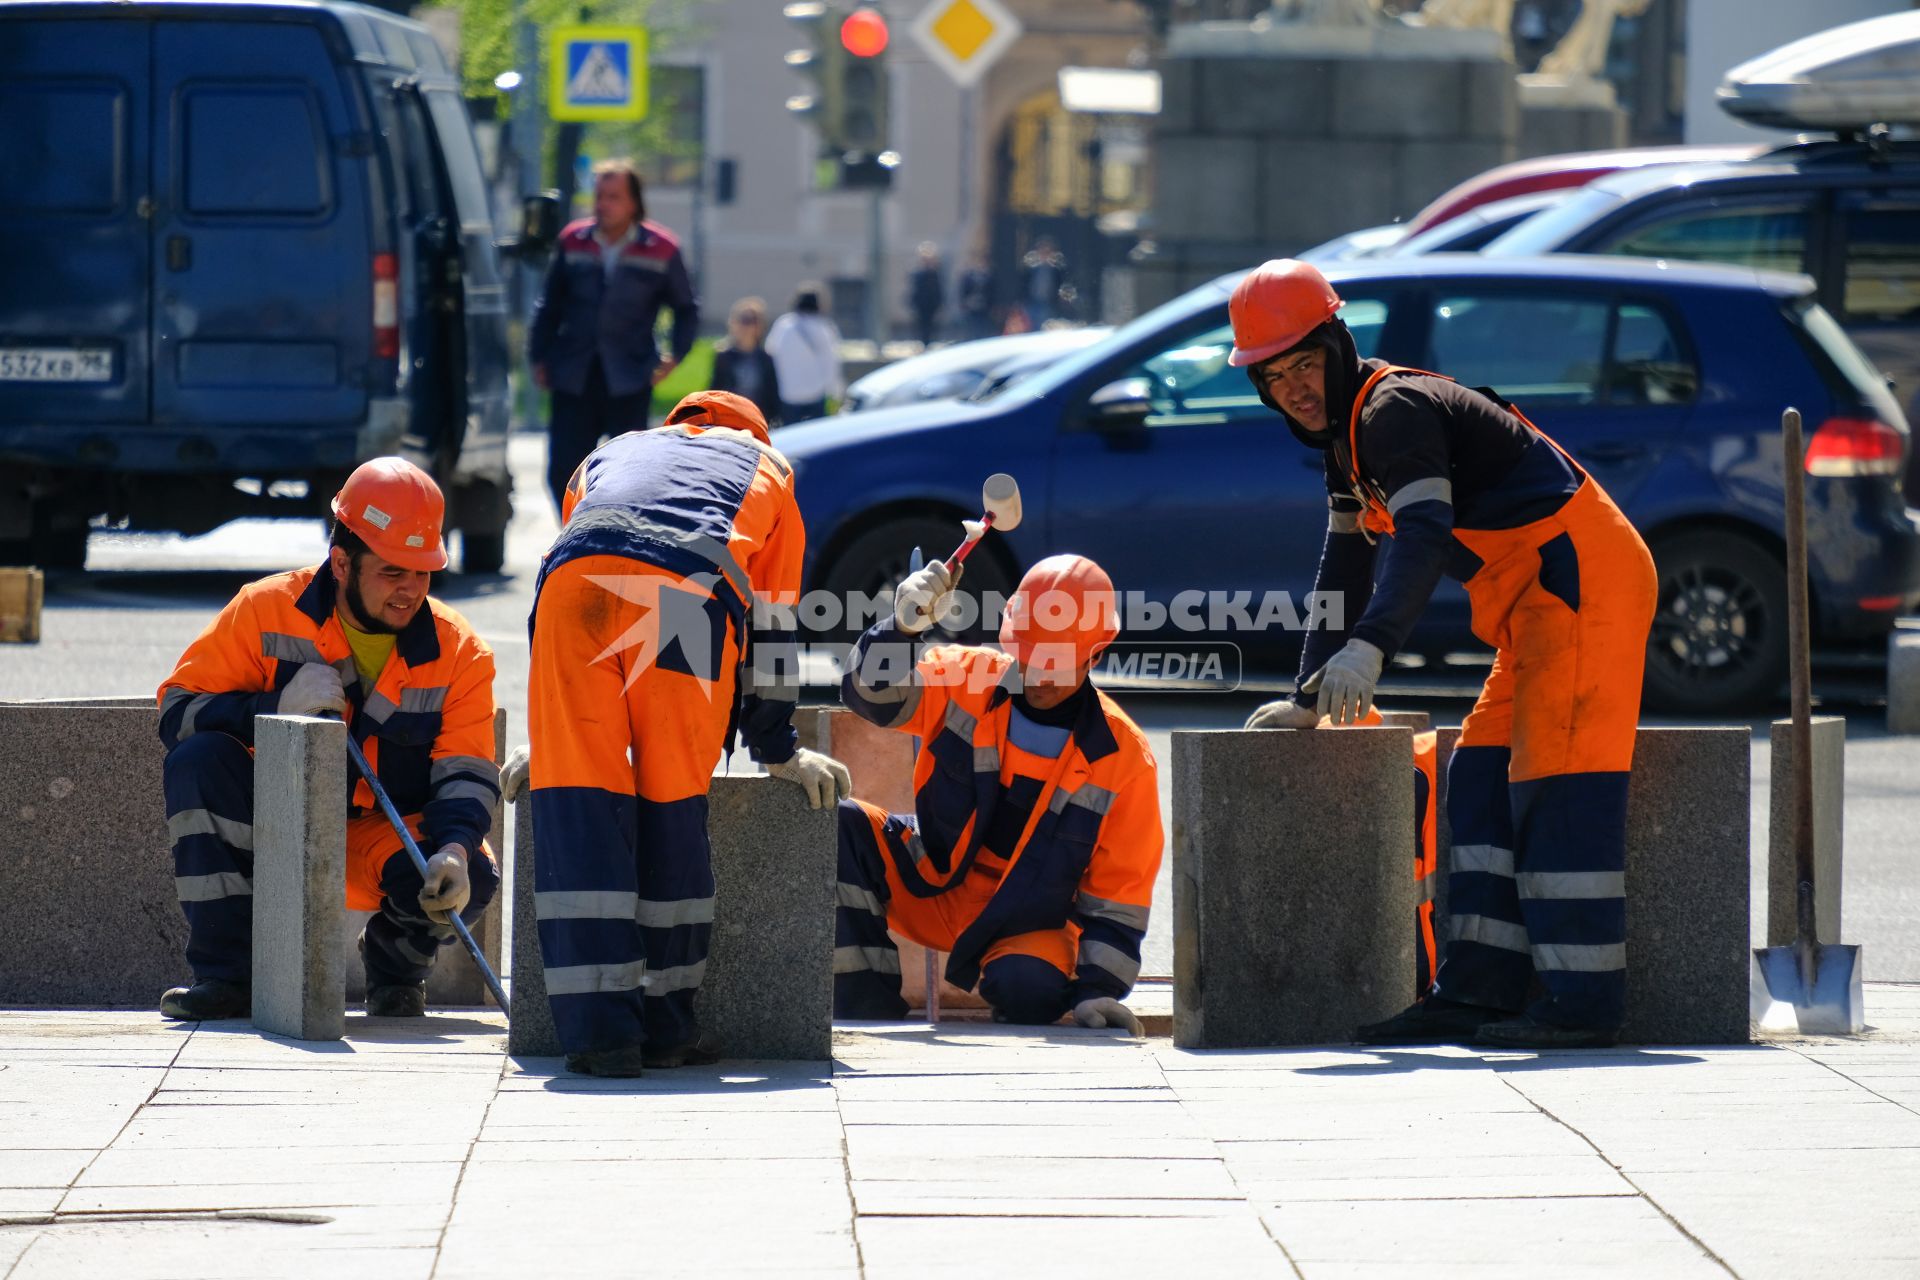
x: 74, y: 247
x: 263, y: 262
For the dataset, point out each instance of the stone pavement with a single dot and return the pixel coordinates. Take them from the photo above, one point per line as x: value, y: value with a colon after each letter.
x: 135, y: 1149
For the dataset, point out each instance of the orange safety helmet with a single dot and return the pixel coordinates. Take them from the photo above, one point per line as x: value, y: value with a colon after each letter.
x: 1064, y: 606
x: 396, y: 509
x: 1274, y: 306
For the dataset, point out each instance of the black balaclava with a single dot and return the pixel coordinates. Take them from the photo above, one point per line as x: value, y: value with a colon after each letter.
x: 1342, y: 382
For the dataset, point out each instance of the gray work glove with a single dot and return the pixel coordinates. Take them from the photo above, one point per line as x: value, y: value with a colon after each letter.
x: 825, y: 780
x: 315, y: 688
x: 515, y: 773
x: 1347, y: 682
x: 922, y: 598
x: 1284, y: 714
x: 1105, y: 1011
x: 447, y: 889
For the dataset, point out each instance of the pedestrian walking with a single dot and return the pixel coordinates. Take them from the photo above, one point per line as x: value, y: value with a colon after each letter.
x: 591, y: 341
x: 742, y: 364
x: 805, y: 346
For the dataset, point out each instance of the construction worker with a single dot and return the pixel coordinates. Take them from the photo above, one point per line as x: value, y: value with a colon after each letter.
x: 1459, y: 481
x: 357, y: 637
x: 672, y: 540
x: 1035, y: 838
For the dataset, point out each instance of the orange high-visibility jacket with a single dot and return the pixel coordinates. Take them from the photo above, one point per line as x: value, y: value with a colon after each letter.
x: 1091, y: 848
x: 426, y: 727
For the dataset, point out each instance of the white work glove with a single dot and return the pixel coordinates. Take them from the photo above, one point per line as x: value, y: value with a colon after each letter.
x: 1105, y: 1011
x: 922, y: 598
x: 1284, y: 714
x: 315, y: 688
x: 1346, y: 683
x: 446, y: 891
x: 514, y: 774
x: 825, y: 780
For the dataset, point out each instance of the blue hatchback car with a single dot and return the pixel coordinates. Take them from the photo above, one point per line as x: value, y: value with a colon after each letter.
x: 1148, y: 453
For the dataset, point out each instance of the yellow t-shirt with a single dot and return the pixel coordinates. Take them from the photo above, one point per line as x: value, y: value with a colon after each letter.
x: 370, y: 652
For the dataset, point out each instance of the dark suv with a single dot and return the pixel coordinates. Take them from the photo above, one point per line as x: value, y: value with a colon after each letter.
x: 1846, y: 213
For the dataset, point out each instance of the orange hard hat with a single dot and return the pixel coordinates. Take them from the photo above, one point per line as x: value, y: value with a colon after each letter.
x: 1274, y: 306
x: 720, y: 409
x: 396, y: 509
x: 1064, y: 608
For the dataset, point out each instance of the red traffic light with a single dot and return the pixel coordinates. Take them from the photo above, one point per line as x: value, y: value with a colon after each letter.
x: 864, y: 33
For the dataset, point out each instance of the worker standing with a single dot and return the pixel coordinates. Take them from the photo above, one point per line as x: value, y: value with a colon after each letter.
x: 677, y: 549
x: 358, y: 637
x: 1561, y: 586
x: 1035, y: 838
x: 591, y: 339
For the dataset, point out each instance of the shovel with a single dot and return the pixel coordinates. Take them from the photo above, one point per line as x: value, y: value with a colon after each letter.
x: 1810, y: 987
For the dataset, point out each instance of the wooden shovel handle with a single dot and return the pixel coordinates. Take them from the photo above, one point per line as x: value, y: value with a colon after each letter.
x: 1799, y: 669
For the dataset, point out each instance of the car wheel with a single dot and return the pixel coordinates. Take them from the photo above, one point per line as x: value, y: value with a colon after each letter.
x: 1719, y: 641
x: 482, y: 552
x: 876, y: 561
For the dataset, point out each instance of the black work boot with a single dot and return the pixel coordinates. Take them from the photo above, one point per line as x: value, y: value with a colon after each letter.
x: 208, y: 999
x: 622, y: 1062
x: 397, y: 1000
x: 701, y: 1051
x: 1524, y: 1032
x: 1430, y: 1021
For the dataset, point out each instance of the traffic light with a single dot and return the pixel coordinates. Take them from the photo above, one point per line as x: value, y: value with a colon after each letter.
x: 864, y: 97
x: 848, y: 102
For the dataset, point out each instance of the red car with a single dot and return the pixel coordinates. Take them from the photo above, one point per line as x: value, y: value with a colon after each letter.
x: 1551, y: 173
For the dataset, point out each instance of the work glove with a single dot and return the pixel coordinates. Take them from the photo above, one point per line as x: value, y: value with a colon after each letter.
x: 825, y: 780
x: 315, y: 688
x: 514, y: 774
x: 446, y: 891
x: 1347, y: 682
x: 1284, y: 714
x: 922, y: 598
x: 1105, y: 1011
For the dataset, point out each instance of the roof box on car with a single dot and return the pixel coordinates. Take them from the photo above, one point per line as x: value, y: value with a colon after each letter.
x: 1845, y: 79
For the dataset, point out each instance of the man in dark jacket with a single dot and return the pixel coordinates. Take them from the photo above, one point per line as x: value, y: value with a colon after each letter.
x: 591, y: 342
x: 926, y: 294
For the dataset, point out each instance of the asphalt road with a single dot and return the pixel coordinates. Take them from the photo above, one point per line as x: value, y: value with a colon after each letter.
x: 119, y: 627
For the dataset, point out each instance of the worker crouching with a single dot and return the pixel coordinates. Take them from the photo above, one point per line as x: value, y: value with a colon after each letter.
x: 360, y: 638
x: 1031, y: 853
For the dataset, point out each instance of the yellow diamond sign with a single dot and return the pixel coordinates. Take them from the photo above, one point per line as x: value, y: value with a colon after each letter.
x: 966, y: 37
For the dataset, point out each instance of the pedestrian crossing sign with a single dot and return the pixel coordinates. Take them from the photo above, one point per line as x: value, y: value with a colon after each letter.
x: 597, y: 73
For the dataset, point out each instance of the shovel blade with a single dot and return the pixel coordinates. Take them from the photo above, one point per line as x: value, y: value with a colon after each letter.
x: 1782, y: 1000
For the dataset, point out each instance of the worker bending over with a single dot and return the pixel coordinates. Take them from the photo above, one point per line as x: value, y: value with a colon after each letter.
x: 1459, y: 481
x: 641, y: 617
x: 357, y: 637
x: 1035, y: 838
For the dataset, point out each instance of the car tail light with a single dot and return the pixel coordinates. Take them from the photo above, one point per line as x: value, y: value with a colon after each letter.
x: 386, y: 309
x: 1881, y: 604
x: 1856, y: 447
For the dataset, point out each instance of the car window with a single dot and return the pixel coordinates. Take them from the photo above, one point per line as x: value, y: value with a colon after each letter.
x: 1192, y: 383
x: 1883, y: 259
x: 1772, y: 238
x: 463, y: 162
x: 278, y: 127
x: 1532, y: 348
x: 1649, y: 365
x: 64, y: 147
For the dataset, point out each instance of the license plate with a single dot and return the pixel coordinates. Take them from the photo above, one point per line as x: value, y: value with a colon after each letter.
x: 56, y: 364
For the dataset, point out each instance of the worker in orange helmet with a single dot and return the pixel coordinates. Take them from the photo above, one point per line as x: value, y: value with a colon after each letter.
x: 358, y: 637
x: 1459, y: 481
x: 662, y: 619
x: 1031, y: 853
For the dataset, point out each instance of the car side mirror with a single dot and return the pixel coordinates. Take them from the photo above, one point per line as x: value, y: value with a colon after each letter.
x: 539, y: 226
x: 1121, y: 407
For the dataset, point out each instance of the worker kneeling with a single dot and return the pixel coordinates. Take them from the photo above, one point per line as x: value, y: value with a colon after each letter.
x: 671, y: 540
x: 1032, y: 851
x: 357, y: 637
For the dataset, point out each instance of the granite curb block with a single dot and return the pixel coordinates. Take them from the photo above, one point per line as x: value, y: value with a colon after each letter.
x: 1293, y: 906
x: 768, y: 991
x: 1689, y: 934
x: 299, y: 868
